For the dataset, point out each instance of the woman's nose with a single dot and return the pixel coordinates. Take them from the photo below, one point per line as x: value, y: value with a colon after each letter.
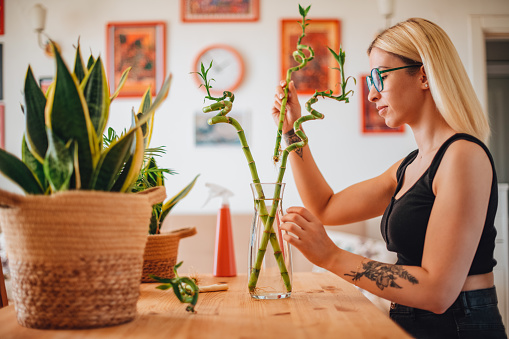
x: 373, y: 94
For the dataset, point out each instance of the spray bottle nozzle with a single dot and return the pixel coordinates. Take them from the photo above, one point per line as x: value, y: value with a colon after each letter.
x: 218, y: 191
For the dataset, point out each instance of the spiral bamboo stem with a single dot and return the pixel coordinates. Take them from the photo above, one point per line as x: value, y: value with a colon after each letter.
x: 300, y: 57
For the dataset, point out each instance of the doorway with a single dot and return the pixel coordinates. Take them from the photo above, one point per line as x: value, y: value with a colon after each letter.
x: 497, y: 66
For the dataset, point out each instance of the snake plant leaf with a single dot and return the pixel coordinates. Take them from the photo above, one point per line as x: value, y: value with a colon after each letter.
x: 121, y: 178
x: 144, y: 107
x: 79, y: 68
x: 137, y: 160
x: 59, y: 162
x: 19, y: 173
x: 111, y: 162
x: 35, y: 101
x: 68, y: 117
x: 33, y: 164
x: 168, y: 205
x: 90, y: 62
x: 97, y: 96
x: 161, y: 96
x: 121, y: 83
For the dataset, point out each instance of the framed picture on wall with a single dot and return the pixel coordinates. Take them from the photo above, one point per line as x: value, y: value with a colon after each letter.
x: 2, y: 125
x: 219, y: 10
x: 142, y: 46
x: 1, y: 72
x: 44, y: 83
x: 318, y: 73
x: 219, y: 134
x: 371, y: 121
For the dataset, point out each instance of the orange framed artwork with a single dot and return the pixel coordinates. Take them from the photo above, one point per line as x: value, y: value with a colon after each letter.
x: 142, y: 46
x: 219, y: 10
x: 318, y: 73
x: 371, y: 121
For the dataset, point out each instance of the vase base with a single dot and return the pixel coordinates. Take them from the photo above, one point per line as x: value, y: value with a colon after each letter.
x: 271, y: 296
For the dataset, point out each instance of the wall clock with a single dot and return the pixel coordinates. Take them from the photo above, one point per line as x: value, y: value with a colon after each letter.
x: 227, y: 67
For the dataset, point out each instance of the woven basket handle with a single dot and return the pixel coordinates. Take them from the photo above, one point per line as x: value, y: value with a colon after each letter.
x: 185, y: 232
x: 8, y: 199
x: 155, y: 195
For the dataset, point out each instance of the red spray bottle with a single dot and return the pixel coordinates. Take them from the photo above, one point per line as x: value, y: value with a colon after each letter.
x: 224, y: 253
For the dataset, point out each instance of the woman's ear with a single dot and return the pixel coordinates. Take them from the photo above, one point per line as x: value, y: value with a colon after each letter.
x: 423, y: 78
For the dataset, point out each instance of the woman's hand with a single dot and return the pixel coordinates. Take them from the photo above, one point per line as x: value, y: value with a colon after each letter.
x: 308, y: 235
x: 293, y: 110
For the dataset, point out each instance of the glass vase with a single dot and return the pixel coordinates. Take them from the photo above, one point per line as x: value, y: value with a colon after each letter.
x: 270, y: 257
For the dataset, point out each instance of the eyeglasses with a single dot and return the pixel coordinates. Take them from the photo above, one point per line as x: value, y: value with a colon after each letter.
x: 376, y: 77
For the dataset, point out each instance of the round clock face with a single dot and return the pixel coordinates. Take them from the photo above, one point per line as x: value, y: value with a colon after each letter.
x: 227, y: 67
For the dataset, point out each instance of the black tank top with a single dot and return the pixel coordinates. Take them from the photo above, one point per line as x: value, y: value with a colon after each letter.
x: 405, y: 220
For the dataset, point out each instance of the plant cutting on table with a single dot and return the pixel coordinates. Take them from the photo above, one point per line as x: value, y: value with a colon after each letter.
x: 224, y: 105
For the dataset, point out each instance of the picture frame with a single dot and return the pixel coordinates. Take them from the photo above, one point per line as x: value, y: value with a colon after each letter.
x: 220, y: 10
x: 318, y: 74
x: 44, y: 83
x: 371, y: 121
x: 2, y: 125
x: 219, y: 135
x: 142, y: 46
x: 1, y: 72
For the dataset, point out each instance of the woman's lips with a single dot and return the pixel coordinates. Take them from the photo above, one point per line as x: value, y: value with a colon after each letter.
x: 381, y: 110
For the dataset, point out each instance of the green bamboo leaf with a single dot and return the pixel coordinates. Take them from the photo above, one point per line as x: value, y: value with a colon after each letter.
x: 35, y: 101
x: 163, y: 287
x: 59, y: 162
x: 69, y: 118
x: 121, y: 83
x: 96, y: 92
x: 111, y: 162
x: 168, y: 205
x: 79, y: 68
x: 16, y: 171
x: 33, y: 164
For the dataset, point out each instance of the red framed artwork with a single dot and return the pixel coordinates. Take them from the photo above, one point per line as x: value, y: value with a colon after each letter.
x: 371, y: 121
x: 2, y: 125
x: 318, y: 73
x: 219, y: 10
x: 142, y: 46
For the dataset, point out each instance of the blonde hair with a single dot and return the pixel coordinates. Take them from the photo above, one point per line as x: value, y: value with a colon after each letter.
x: 422, y: 41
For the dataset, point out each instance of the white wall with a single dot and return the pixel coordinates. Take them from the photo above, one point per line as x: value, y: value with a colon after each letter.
x: 343, y: 153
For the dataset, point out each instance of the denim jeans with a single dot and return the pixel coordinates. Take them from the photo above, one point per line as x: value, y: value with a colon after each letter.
x: 474, y: 314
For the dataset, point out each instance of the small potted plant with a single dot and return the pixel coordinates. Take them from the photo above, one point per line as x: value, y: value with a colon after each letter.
x: 161, y: 250
x: 76, y: 239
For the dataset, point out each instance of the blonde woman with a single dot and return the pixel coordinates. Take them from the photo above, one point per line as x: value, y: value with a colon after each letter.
x: 438, y: 203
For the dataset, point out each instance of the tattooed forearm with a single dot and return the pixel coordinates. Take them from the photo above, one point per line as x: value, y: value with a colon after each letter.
x: 383, y: 275
x: 290, y: 138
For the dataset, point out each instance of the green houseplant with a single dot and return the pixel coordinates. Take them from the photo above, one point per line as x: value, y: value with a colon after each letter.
x: 161, y: 250
x: 76, y: 239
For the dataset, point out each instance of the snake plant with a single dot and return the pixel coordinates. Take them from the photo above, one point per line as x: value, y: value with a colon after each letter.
x: 62, y: 147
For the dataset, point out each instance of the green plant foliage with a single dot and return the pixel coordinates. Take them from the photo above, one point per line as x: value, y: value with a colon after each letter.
x: 184, y: 288
x: 62, y: 146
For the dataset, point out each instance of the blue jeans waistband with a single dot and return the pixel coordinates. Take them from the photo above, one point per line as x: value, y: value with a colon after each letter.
x: 466, y: 299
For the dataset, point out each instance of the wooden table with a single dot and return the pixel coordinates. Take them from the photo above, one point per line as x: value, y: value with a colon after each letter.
x: 322, y: 306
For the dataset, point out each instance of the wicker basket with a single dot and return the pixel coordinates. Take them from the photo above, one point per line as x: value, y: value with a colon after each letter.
x: 76, y: 257
x: 161, y: 253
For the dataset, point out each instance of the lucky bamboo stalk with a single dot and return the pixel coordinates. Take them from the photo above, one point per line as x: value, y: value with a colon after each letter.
x: 224, y: 105
x: 300, y: 57
x: 314, y: 114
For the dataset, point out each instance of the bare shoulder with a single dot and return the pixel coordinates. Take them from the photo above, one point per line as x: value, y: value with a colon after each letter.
x: 465, y: 163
